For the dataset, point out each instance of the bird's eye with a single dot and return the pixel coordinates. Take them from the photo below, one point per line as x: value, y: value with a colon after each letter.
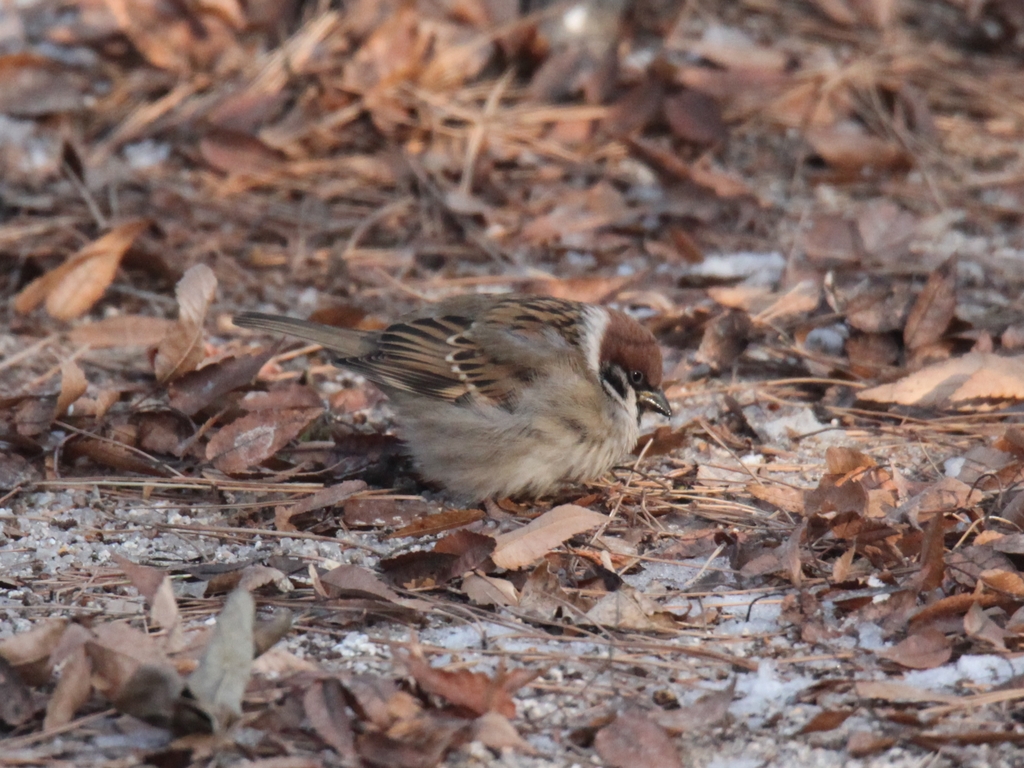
x: 636, y: 378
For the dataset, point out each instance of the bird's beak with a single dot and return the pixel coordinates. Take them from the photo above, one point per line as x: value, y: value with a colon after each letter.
x: 653, y: 400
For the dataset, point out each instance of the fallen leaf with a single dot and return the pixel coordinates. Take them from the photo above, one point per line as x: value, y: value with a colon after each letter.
x: 72, y: 288
x: 474, y: 691
x: 196, y: 390
x: 974, y: 376
x: 29, y: 652
x: 632, y: 740
x: 627, y: 609
x: 254, y: 438
x: 16, y: 704
x: 863, y: 743
x: 489, y: 590
x: 325, y: 706
x: 886, y: 690
x: 926, y: 649
x: 496, y: 732
x: 708, y: 711
x: 1004, y: 581
x: 933, y: 311
x: 531, y: 542
x: 122, y: 331
x: 433, y: 524
x: 155, y: 585
x: 72, y: 691
x: 826, y: 720
x: 72, y: 386
x: 979, y: 626
x: 181, y: 350
x: 219, y: 681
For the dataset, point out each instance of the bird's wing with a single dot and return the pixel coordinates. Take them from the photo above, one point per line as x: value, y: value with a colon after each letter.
x: 438, y: 357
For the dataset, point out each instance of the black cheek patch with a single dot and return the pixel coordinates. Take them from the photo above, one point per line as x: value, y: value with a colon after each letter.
x: 616, y: 379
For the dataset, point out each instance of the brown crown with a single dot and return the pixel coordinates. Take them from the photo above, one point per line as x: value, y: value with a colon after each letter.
x: 630, y: 345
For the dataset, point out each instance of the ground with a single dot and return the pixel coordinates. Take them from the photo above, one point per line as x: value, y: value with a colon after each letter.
x: 212, y: 547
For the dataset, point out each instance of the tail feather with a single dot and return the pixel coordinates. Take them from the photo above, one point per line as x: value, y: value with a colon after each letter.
x: 345, y: 341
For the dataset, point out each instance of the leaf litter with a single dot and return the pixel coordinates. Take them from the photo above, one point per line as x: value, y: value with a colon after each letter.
x: 822, y: 543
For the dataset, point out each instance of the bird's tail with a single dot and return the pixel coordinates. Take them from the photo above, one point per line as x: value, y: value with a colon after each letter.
x: 345, y: 341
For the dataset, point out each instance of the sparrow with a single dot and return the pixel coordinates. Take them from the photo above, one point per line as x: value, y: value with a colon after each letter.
x: 501, y: 396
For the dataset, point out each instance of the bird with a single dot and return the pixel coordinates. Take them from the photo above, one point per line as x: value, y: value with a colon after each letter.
x: 501, y: 396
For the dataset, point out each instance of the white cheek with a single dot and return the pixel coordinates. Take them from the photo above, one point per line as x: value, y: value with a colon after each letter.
x: 595, y: 320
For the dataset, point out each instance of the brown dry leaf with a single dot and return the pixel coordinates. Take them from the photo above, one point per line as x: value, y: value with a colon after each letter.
x: 725, y: 339
x: 154, y: 585
x: 635, y: 108
x: 838, y: 11
x: 151, y: 694
x: 489, y: 590
x: 625, y: 608
x: 796, y: 303
x: 354, y: 581
x: 174, y: 36
x: 974, y: 376
x: 474, y: 691
x: 419, y: 741
x: 705, y: 713
x: 844, y: 461
x: 874, y: 307
x: 947, y: 495
x: 848, y: 148
x: 72, y: 386
x: 826, y: 720
x: 197, y: 390
x: 886, y: 230
x: 830, y: 240
x: 632, y: 740
x: 496, y: 732
x: 417, y: 570
x: 731, y: 48
x: 72, y: 691
x: 72, y: 288
x: 34, y: 86
x: 781, y: 497
x: 843, y: 565
x: 254, y: 438
x: 376, y: 511
x: 543, y: 596
x: 979, y: 626
x: 926, y: 649
x: 117, y: 652
x: 29, y: 652
x: 1006, y: 582
x: 932, y: 559
x: 725, y: 184
x: 954, y: 605
x: 116, y: 455
x: 181, y: 350
x: 522, y: 547
x: 595, y: 290
x: 256, y: 576
x: 933, y: 311
x: 696, y: 117
x: 16, y: 704
x: 219, y: 682
x: 864, y: 743
x: 886, y: 690
x: 434, y: 524
x: 122, y: 331
x: 328, y: 497
x: 236, y: 152
x: 784, y: 558
x: 325, y: 706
